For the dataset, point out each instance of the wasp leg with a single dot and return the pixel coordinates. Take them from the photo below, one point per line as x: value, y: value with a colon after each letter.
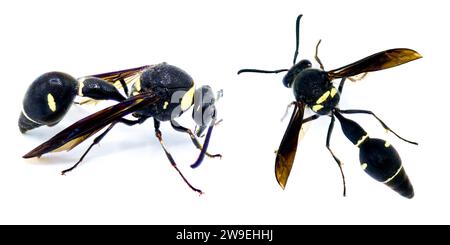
x: 100, y: 137
x: 219, y: 95
x: 316, y: 56
x: 379, y: 120
x: 179, y: 128
x: 287, y: 109
x: 358, y: 77
x: 341, y: 85
x: 169, y: 156
x: 330, y: 131
x: 311, y: 118
x: 124, y: 86
x: 218, y: 122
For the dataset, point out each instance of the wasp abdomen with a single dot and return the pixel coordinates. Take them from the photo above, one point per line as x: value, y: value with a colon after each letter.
x: 98, y: 89
x: 378, y: 158
x: 26, y: 124
x: 47, y: 100
x: 381, y: 161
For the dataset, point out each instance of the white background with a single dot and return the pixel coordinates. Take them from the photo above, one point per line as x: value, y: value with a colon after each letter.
x: 128, y: 180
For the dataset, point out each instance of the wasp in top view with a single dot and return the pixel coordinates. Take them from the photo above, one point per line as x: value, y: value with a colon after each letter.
x: 314, y: 88
x: 160, y: 91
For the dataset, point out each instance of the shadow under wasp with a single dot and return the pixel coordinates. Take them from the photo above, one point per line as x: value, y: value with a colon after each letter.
x: 314, y: 88
x: 162, y: 92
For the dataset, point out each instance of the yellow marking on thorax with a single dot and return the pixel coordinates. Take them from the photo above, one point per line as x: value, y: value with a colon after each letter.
x: 316, y: 108
x: 324, y: 97
x: 187, y: 99
x: 393, y: 176
x: 80, y: 86
x: 165, y: 105
x: 386, y: 144
x: 364, y: 166
x: 360, y: 141
x: 51, y: 102
x: 333, y: 92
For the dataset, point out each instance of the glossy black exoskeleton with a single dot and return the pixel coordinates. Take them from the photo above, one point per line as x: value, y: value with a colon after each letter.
x: 173, y: 85
x: 51, y: 95
x: 162, y: 92
x: 314, y: 88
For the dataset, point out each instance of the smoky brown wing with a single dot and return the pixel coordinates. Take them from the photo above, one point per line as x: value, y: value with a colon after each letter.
x: 379, y: 61
x: 119, y: 79
x: 88, y: 126
x: 113, y: 77
x: 288, y: 146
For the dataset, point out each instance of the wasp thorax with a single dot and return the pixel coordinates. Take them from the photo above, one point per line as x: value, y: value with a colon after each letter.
x: 313, y: 87
x: 47, y: 100
x: 174, y: 87
x: 288, y: 79
x: 381, y: 161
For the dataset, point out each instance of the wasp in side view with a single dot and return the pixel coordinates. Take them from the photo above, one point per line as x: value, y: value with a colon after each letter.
x: 162, y: 92
x: 314, y: 88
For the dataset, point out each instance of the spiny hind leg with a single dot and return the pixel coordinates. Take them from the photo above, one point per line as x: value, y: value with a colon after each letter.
x: 99, y: 138
x: 379, y: 120
x: 330, y: 131
x: 169, y: 156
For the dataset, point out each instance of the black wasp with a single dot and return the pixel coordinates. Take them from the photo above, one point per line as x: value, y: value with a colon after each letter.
x: 160, y: 91
x: 314, y: 88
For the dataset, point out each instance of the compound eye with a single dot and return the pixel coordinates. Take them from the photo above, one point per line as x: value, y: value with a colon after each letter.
x: 294, y: 71
x: 288, y: 79
x: 303, y: 64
